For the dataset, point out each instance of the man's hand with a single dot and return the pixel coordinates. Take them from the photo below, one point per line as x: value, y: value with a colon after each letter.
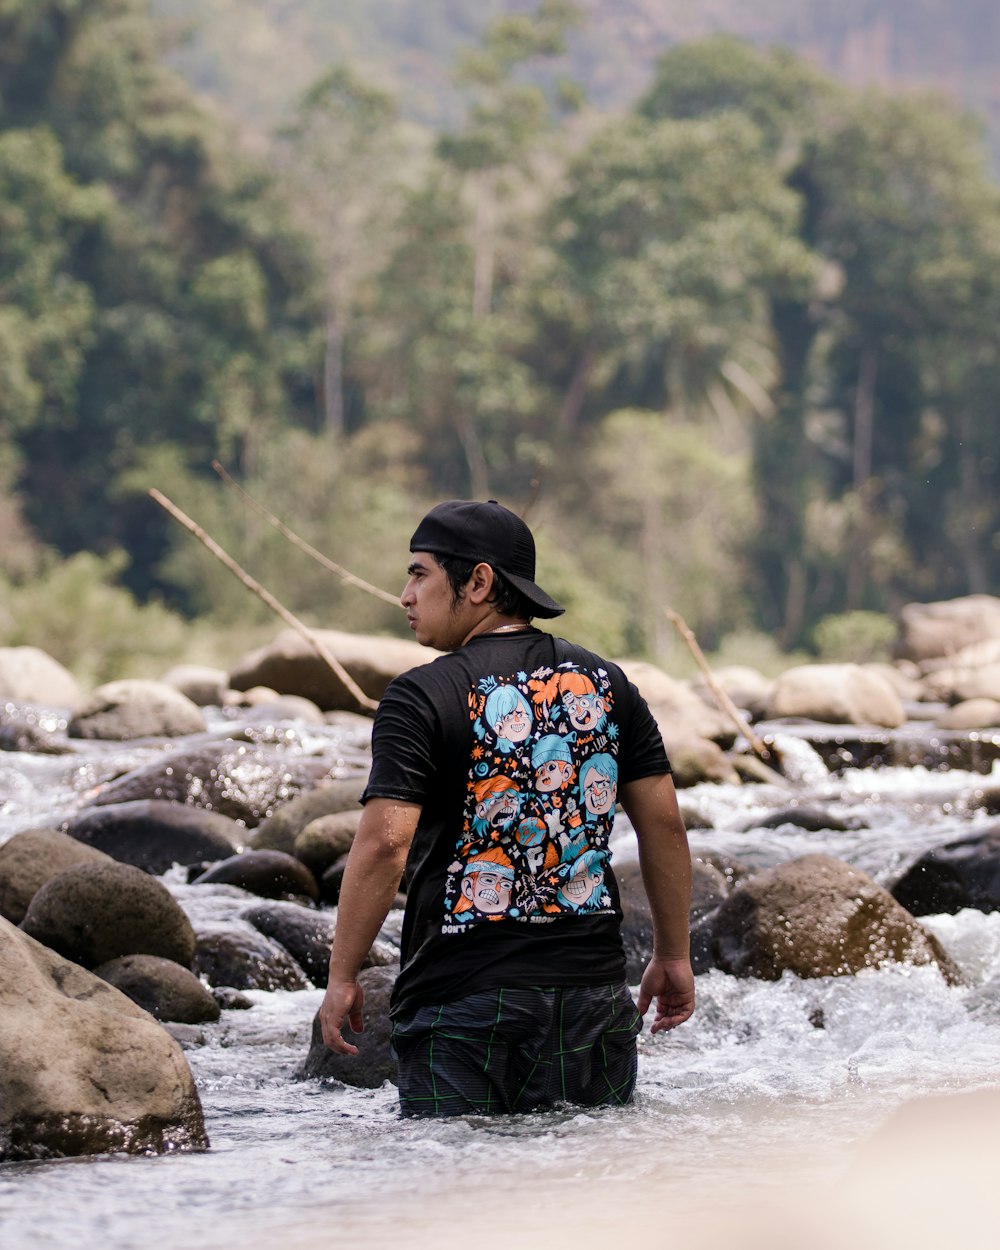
x: 671, y: 983
x: 344, y: 1000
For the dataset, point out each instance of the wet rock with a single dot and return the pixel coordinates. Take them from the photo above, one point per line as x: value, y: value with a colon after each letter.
x: 932, y: 630
x: 123, y: 710
x: 817, y: 917
x: 230, y: 999
x: 238, y: 779
x: 29, y: 859
x: 236, y: 955
x: 83, y: 1070
x: 307, y: 935
x: 161, y: 987
x: 279, y: 831
x: 331, y: 881
x: 959, y: 874
x: 22, y: 729
x: 92, y: 913
x: 838, y: 694
x: 814, y: 819
x: 324, y: 840
x: 204, y: 686
x: 154, y: 834
x: 267, y: 704
x: 374, y: 1064
x: 291, y: 665
x: 269, y: 874
x: 708, y: 889
x: 29, y: 675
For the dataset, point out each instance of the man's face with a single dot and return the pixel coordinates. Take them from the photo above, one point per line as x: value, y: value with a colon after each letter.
x: 489, y: 891
x: 430, y: 610
x: 599, y: 792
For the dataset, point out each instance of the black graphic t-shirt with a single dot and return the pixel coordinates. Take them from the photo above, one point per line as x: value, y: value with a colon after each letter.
x: 515, y: 746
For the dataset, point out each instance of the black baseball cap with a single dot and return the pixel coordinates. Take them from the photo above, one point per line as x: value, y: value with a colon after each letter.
x: 488, y: 533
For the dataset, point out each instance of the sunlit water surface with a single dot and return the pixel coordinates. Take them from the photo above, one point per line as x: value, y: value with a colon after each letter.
x: 770, y: 1085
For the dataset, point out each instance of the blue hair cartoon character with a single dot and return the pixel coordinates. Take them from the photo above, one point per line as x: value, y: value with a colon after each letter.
x: 552, y: 761
x: 599, y: 784
x: 507, y: 714
x: 582, y: 887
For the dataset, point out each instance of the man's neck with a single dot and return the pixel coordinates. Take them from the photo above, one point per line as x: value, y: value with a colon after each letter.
x: 495, y: 623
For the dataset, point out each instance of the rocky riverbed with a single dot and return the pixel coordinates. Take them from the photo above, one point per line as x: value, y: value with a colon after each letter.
x: 180, y: 863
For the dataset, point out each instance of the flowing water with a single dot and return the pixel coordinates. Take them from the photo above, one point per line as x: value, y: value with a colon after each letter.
x: 769, y: 1089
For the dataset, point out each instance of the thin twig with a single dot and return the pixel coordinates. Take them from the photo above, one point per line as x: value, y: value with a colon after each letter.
x: 251, y: 584
x: 349, y: 577
x: 722, y: 698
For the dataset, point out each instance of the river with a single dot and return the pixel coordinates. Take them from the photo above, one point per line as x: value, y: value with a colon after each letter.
x: 766, y: 1095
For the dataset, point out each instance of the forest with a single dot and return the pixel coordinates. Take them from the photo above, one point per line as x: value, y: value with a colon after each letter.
x: 732, y: 349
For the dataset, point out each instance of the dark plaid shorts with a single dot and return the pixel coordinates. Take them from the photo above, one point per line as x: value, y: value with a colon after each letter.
x: 514, y: 1050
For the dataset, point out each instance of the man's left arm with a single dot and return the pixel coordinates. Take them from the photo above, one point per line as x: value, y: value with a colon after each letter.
x: 665, y: 863
x: 371, y: 878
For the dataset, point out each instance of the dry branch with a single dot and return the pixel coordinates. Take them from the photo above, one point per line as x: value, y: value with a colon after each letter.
x: 722, y: 698
x: 362, y: 699
x: 351, y: 578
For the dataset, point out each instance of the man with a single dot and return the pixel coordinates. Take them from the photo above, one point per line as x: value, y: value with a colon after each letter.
x: 511, y: 994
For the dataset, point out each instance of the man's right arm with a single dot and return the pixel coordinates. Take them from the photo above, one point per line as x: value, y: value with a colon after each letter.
x: 665, y: 863
x: 371, y: 879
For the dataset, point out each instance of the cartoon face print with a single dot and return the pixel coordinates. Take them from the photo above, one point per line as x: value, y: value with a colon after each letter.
x: 599, y: 784
x: 507, y: 714
x: 498, y: 804
x: 487, y: 884
x: 586, y: 709
x: 552, y: 761
x: 585, y: 882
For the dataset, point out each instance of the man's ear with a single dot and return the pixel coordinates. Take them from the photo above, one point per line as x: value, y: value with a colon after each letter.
x: 479, y: 587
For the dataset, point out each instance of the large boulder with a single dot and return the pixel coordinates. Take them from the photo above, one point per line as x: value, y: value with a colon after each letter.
x: 929, y: 631
x: 83, y: 1070
x: 238, y: 779
x: 306, y: 934
x: 819, y: 917
x: 237, y: 955
x: 123, y: 710
x: 154, y: 834
x: 291, y: 665
x: 93, y: 913
x: 323, y: 841
x: 281, y: 829
x: 204, y: 686
x: 679, y: 711
x: 161, y: 987
x: 29, y: 859
x: 838, y: 694
x: 972, y: 714
x: 374, y: 1064
x: 29, y: 675
x: 949, y: 878
x: 270, y: 874
x: 709, y: 887
x: 958, y: 684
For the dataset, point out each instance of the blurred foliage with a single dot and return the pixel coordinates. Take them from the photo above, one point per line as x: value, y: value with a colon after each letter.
x: 733, y: 351
x: 855, y: 637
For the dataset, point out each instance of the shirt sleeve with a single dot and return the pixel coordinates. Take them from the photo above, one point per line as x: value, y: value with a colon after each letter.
x: 403, y: 736
x: 643, y: 753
